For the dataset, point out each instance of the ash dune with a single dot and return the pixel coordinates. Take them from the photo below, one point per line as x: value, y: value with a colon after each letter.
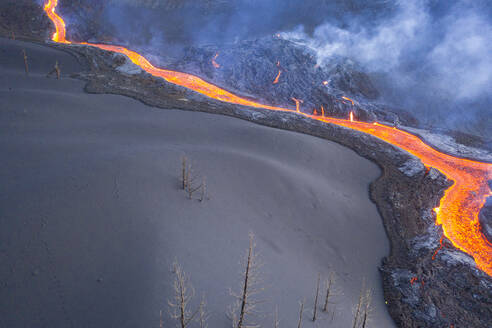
x: 92, y: 215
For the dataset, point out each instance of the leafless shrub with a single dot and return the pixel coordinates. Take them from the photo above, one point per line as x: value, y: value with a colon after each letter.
x: 246, y: 301
x: 189, y: 181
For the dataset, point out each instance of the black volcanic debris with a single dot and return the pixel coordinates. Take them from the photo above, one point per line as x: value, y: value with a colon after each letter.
x: 77, y: 12
x: 22, y: 19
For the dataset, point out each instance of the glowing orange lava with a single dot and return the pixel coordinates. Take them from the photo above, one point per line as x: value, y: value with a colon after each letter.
x: 351, y: 116
x: 60, y: 33
x: 279, y: 73
x: 216, y: 65
x: 349, y: 100
x: 438, y: 249
x: 298, y: 104
x: 461, y: 203
x: 278, y: 77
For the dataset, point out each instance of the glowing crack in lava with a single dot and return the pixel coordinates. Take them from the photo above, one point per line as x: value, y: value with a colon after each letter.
x: 277, y: 77
x: 278, y: 74
x: 214, y: 63
x: 461, y: 203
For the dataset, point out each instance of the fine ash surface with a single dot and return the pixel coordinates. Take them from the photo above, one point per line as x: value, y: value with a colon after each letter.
x: 93, y: 217
x: 447, y: 290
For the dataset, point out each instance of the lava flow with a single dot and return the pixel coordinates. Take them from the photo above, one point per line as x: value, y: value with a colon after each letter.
x: 461, y: 203
x: 216, y: 65
x: 278, y: 75
x: 348, y: 99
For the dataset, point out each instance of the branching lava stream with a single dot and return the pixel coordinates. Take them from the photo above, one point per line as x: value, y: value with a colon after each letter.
x: 459, y: 207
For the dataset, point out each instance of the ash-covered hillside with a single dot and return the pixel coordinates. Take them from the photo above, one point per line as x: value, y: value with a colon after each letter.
x: 278, y: 71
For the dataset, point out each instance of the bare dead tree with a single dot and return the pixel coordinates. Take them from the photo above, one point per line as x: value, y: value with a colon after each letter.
x: 184, y: 173
x: 26, y: 65
x: 367, y: 308
x: 363, y: 308
x: 190, y: 182
x: 276, y: 321
x: 203, y: 314
x: 56, y: 70
x: 183, y: 294
x: 161, y: 322
x: 191, y: 185
x: 12, y: 34
x: 315, y: 310
x: 358, y: 309
x: 301, y: 310
x: 246, y: 300
x: 203, y: 189
x: 328, y: 284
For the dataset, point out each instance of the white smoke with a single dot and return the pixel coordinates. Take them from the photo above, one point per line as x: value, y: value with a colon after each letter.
x: 463, y: 60
x: 453, y: 54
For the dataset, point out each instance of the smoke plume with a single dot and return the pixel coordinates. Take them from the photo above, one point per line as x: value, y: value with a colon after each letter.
x: 433, y: 59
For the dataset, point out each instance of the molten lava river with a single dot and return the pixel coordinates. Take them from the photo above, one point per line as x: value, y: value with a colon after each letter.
x: 459, y: 207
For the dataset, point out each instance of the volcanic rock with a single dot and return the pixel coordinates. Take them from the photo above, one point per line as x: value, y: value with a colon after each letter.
x: 485, y: 219
x: 251, y: 68
x: 23, y: 19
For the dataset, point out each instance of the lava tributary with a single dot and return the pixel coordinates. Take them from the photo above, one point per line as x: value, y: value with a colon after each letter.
x: 214, y: 63
x: 459, y: 207
x: 278, y: 74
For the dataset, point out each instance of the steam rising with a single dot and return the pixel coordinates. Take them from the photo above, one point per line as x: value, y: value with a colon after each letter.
x: 431, y: 57
x: 434, y: 61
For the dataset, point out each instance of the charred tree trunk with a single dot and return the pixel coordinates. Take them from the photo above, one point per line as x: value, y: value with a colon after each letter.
x: 26, y: 65
x: 301, y: 310
x: 328, y: 292
x: 315, y: 310
x: 244, y: 299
